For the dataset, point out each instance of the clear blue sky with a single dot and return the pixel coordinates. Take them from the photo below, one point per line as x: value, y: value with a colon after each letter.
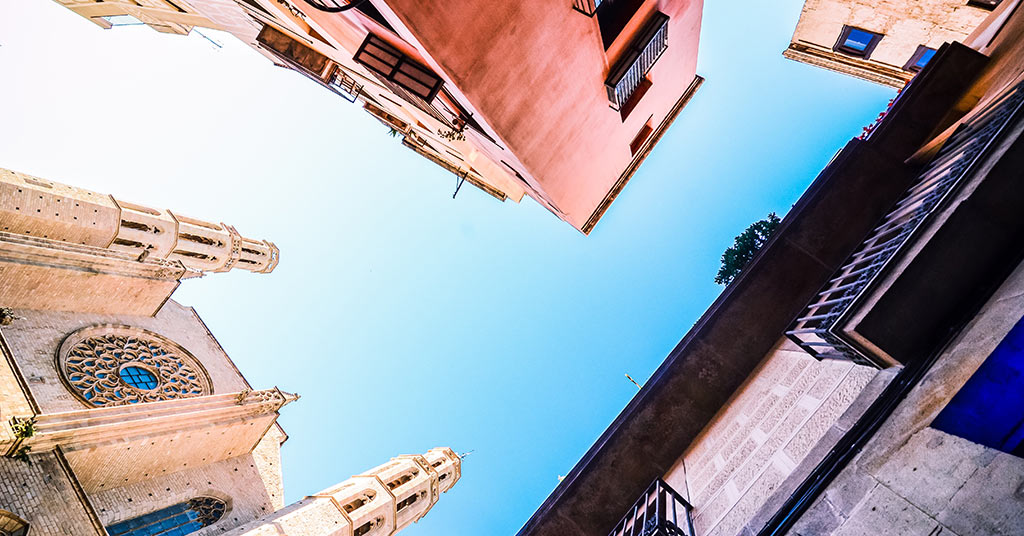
x: 406, y: 319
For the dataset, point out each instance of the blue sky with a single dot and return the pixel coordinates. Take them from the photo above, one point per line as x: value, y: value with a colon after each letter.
x: 406, y: 319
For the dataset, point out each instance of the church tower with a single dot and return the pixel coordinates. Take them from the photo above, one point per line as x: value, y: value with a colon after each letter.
x: 111, y: 255
x: 380, y: 502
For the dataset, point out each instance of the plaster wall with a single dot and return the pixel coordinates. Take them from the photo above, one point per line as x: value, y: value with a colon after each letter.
x: 913, y: 479
x: 535, y: 71
x: 762, y: 434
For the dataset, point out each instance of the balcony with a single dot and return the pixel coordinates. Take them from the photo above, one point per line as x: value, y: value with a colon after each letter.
x: 587, y: 7
x: 660, y: 511
x: 637, y: 60
x: 820, y: 328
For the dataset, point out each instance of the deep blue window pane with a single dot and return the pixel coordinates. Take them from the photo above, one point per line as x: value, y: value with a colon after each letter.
x: 177, y: 520
x: 858, y: 39
x: 926, y: 56
x: 139, y: 378
x: 989, y: 409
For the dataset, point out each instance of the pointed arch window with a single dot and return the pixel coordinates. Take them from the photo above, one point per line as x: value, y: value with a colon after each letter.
x: 178, y: 520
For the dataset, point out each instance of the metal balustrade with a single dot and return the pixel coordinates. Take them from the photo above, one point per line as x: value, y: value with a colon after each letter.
x: 637, y: 60
x: 587, y: 7
x: 334, y: 6
x: 660, y: 511
x: 814, y: 330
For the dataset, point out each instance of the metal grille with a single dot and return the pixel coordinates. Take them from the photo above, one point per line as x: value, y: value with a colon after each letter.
x: 587, y: 7
x: 637, y: 60
x: 813, y: 330
x: 660, y: 511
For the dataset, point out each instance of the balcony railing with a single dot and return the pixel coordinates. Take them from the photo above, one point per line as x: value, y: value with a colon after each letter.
x: 587, y: 7
x: 334, y: 6
x: 637, y: 60
x: 814, y: 329
x: 660, y: 511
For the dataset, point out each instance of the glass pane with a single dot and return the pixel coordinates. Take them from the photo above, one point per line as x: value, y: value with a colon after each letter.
x: 924, y: 59
x: 858, y: 39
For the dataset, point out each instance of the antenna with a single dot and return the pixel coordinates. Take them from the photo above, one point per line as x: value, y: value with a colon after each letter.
x: 630, y: 378
x: 463, y: 456
x: 208, y: 38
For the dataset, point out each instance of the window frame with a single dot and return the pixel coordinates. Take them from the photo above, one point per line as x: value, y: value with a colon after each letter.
x: 844, y: 36
x: 911, y: 64
x: 399, y: 66
x: 982, y: 4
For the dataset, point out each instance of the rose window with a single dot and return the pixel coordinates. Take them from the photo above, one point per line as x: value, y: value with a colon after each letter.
x: 118, y: 365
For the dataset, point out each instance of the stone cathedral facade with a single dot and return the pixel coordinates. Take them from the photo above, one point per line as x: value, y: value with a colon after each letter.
x: 121, y: 414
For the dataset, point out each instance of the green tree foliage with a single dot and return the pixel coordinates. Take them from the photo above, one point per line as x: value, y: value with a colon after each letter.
x: 745, y: 247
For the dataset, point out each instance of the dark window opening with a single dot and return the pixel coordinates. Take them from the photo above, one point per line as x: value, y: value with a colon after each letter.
x: 641, y: 138
x: 201, y: 240
x: 857, y: 42
x: 442, y: 477
x: 989, y: 408
x: 253, y: 4
x: 382, y: 58
x: 368, y: 9
x: 984, y: 4
x: 192, y: 254
x: 129, y: 243
x: 402, y: 479
x: 613, y: 16
x: 136, y: 225
x: 920, y: 58
x: 634, y: 99
x: 407, y: 502
x: 253, y: 252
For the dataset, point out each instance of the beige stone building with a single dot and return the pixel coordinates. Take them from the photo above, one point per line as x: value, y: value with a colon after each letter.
x: 882, y: 41
x: 121, y: 414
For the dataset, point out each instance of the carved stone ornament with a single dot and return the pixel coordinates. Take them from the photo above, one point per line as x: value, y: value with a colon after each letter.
x: 118, y: 365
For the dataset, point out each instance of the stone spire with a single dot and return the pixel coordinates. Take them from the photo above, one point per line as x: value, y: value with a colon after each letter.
x: 380, y: 502
x: 44, y: 209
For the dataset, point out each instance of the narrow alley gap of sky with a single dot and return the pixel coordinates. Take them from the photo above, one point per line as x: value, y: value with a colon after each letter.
x: 408, y: 320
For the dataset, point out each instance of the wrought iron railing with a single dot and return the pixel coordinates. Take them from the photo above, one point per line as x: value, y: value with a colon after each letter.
x: 344, y: 84
x: 660, y: 511
x: 334, y: 6
x: 814, y: 330
x: 637, y: 60
x: 587, y: 7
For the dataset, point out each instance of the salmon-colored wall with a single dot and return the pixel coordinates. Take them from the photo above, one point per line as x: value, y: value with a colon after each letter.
x: 533, y: 74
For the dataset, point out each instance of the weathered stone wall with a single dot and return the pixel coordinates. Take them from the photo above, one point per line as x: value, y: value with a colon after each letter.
x: 237, y: 481
x: 905, y: 24
x: 35, y: 338
x: 43, y: 494
x: 762, y: 434
x: 913, y: 479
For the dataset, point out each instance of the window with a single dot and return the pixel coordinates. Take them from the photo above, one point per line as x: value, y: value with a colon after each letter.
x: 920, y: 58
x: 989, y: 408
x: 138, y: 378
x: 641, y: 138
x: 630, y: 71
x: 857, y: 42
x: 613, y: 16
x: 984, y: 4
x: 178, y: 520
x: 389, y: 62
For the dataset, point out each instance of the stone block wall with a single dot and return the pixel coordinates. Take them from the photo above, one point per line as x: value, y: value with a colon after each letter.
x: 762, y: 434
x: 43, y: 494
x: 914, y: 479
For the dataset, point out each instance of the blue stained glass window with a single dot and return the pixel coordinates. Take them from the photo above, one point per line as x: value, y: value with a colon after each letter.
x: 858, y: 40
x: 178, y: 520
x: 139, y: 378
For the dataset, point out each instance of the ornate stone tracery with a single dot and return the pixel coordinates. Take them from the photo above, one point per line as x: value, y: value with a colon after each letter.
x: 101, y: 366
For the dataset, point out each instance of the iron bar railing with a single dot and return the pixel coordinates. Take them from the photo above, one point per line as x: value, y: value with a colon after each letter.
x: 587, y: 7
x: 815, y: 329
x: 637, y: 60
x: 334, y: 6
x: 660, y: 511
